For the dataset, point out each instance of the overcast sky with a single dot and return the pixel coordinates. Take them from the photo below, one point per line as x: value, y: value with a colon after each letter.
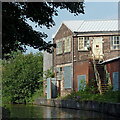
x: 93, y: 11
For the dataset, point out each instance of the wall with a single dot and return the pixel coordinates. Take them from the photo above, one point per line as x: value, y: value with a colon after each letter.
x: 108, y: 108
x: 113, y: 66
x: 47, y: 64
x: 63, y: 59
x: 81, y: 56
x: 108, y: 53
x: 82, y: 59
x: 80, y: 68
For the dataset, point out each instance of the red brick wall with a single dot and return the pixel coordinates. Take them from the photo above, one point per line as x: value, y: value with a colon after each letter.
x: 113, y: 66
x: 108, y: 53
x: 80, y: 68
x: 79, y: 55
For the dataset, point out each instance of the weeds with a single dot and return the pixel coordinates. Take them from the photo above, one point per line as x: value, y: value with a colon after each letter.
x: 89, y: 94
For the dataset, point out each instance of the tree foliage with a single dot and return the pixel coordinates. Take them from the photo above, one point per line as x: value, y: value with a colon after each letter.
x: 49, y: 73
x: 17, y: 32
x: 22, y: 76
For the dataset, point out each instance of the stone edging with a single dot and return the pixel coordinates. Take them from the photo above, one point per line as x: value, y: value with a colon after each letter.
x: 108, y: 108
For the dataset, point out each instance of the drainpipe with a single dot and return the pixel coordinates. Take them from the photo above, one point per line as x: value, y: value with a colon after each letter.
x: 53, y: 58
x: 73, y: 62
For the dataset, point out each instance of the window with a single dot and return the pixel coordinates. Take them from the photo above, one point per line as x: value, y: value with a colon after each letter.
x: 82, y: 43
x: 59, y: 49
x: 59, y: 71
x: 115, y: 43
x: 81, y: 82
x: 67, y: 45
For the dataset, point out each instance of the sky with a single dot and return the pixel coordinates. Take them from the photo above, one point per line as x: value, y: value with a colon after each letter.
x: 93, y: 11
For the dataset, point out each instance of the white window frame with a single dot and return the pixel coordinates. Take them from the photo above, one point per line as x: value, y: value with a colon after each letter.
x: 67, y: 44
x: 115, y: 42
x: 59, y: 48
x: 84, y: 47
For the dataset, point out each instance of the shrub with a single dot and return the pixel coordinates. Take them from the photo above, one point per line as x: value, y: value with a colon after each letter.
x: 22, y: 75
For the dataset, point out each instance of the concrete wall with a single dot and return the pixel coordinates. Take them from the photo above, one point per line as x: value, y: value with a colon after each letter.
x: 47, y: 64
x: 47, y: 61
x: 108, y: 108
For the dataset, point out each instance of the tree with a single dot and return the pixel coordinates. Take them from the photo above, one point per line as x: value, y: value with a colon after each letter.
x: 22, y: 76
x: 16, y: 33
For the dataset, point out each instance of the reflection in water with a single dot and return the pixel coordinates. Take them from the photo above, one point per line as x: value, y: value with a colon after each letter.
x: 34, y: 111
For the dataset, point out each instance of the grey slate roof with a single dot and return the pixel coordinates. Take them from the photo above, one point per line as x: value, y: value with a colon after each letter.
x: 92, y: 25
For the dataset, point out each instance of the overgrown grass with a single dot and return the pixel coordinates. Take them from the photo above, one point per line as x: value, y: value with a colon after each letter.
x: 109, y: 96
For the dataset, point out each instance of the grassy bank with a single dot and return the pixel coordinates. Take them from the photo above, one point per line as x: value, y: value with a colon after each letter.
x: 109, y: 96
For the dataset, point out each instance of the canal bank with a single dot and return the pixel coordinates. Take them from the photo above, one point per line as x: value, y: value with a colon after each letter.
x: 102, y: 107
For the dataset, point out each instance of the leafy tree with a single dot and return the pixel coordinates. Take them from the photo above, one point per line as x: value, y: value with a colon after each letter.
x: 22, y: 76
x: 16, y: 33
x: 49, y: 73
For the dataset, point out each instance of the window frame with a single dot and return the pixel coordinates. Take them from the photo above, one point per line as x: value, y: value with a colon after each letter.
x: 59, y: 49
x: 84, y: 47
x: 113, y: 42
x: 67, y: 48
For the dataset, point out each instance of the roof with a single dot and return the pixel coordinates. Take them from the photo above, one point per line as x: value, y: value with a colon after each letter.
x: 92, y: 25
x: 109, y: 60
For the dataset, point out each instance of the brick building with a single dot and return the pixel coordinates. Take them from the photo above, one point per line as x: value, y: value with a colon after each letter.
x: 87, y: 50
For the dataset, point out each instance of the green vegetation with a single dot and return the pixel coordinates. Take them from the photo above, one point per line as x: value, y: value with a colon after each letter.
x: 22, y: 77
x: 17, y: 33
x: 38, y: 93
x: 88, y: 94
x: 49, y: 73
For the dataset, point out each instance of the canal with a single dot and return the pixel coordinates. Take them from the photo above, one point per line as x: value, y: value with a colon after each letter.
x: 35, y: 111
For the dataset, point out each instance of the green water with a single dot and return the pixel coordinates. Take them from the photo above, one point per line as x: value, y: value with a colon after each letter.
x: 35, y: 111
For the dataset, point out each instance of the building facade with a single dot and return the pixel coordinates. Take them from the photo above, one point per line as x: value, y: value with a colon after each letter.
x: 81, y: 52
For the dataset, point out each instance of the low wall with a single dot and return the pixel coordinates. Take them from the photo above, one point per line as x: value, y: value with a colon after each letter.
x: 108, y: 108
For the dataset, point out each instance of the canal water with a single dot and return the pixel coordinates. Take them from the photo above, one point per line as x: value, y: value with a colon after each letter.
x: 35, y: 111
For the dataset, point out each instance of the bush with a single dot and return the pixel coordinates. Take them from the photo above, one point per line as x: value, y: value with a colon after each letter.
x: 88, y: 94
x: 22, y: 76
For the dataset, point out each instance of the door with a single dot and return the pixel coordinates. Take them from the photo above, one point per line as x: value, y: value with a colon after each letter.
x: 97, y: 48
x: 54, y: 87
x: 81, y: 82
x: 115, y: 81
x: 48, y: 88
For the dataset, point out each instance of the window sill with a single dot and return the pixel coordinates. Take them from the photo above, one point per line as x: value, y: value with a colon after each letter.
x: 59, y: 54
x: 83, y: 50
x: 115, y: 50
x: 67, y: 52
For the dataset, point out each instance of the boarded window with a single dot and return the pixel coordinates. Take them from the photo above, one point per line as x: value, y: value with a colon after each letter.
x: 115, y: 81
x: 82, y: 43
x: 81, y: 82
x: 67, y: 77
x: 67, y: 45
x: 59, y: 49
x: 115, y: 43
